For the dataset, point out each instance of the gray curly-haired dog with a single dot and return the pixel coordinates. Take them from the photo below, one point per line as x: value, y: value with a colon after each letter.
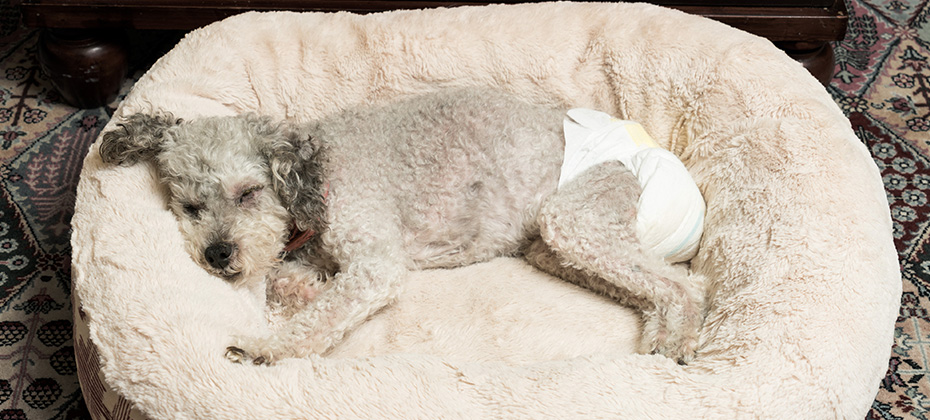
x: 336, y: 212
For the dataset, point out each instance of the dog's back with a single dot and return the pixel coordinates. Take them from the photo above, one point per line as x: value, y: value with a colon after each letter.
x: 464, y: 170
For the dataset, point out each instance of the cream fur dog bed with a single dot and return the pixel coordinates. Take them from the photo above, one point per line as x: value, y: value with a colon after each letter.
x: 802, y: 277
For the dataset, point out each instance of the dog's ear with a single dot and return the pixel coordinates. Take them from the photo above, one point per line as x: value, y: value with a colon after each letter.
x: 294, y: 155
x: 139, y: 138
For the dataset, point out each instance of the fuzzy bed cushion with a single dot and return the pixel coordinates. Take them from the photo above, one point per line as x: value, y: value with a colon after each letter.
x: 803, y: 284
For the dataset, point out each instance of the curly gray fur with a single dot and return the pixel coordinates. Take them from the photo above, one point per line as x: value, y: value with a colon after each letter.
x: 439, y: 180
x: 139, y: 138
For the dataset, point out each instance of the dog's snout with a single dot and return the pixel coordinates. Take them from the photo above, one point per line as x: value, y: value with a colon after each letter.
x: 218, y: 255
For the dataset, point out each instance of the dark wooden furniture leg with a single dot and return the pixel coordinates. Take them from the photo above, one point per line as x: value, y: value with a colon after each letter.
x: 86, y: 66
x: 817, y: 57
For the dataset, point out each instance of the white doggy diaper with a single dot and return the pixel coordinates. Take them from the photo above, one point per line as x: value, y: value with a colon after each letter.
x: 670, y: 212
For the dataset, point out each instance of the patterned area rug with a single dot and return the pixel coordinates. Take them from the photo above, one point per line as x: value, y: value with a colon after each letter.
x: 882, y: 83
x: 42, y: 145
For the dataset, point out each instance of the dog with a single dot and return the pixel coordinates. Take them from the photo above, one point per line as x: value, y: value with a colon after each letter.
x: 334, y: 213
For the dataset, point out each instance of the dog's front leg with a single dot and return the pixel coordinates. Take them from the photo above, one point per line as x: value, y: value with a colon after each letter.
x: 363, y: 287
x: 291, y: 287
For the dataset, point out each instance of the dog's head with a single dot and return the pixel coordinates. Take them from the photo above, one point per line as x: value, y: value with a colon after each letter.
x: 236, y: 184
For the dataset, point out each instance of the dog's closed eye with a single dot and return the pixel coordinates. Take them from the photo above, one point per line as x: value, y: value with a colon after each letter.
x: 192, y: 210
x: 249, y: 195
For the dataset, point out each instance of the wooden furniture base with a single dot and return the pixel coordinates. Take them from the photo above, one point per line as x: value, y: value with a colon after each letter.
x: 87, y: 67
x: 85, y: 57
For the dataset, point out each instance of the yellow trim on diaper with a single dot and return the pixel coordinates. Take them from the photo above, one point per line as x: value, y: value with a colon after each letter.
x: 639, y: 135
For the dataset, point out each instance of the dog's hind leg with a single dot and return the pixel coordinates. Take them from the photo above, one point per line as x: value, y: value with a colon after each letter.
x: 541, y: 256
x: 589, y: 232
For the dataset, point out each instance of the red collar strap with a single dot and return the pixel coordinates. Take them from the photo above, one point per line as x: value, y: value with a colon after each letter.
x: 298, y: 237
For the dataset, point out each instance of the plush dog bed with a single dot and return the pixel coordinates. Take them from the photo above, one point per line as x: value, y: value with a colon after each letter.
x: 802, y: 278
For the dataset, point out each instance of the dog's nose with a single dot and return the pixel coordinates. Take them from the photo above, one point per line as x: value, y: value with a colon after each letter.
x: 218, y: 254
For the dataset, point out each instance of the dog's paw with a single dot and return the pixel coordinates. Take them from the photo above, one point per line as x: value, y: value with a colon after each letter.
x: 679, y: 343
x: 236, y: 355
x: 256, y: 351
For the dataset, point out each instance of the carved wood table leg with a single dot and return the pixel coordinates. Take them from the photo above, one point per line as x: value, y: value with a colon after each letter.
x: 87, y: 67
x: 817, y: 57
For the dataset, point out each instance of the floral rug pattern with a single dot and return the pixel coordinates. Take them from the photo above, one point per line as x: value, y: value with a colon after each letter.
x: 882, y: 83
x: 42, y: 145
